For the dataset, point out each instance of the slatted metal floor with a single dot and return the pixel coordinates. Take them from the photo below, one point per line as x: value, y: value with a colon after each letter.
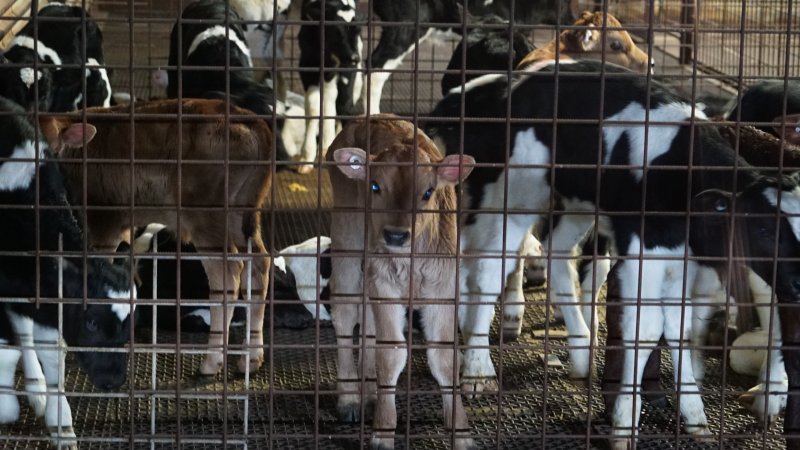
x: 289, y: 404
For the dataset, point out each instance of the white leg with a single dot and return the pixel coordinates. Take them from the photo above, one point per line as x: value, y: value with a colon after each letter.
x: 9, y: 405
x: 310, y: 143
x: 677, y: 312
x: 483, y: 282
x: 642, y: 326
x: 514, y: 296
x: 34, y: 378
x: 329, y: 91
x: 771, y: 398
x: 569, y: 232
x: 377, y: 80
x: 706, y: 299
x: 52, y: 351
x: 590, y: 292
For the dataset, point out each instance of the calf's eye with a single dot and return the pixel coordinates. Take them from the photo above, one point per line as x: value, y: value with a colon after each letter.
x: 427, y: 195
x: 376, y: 189
x: 91, y: 325
x: 616, y: 46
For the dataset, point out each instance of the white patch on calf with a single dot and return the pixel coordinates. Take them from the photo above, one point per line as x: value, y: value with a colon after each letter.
x: 104, y: 76
x: 358, y: 79
x: 476, y: 82
x: 220, y: 31
x: 305, y: 272
x: 790, y: 205
x: 346, y: 14
x: 122, y: 310
x: 280, y: 263
x: 659, y: 134
x: 143, y: 242
x: 204, y: 315
x: 42, y: 50
x: 19, y: 175
x: 77, y: 101
x: 26, y: 75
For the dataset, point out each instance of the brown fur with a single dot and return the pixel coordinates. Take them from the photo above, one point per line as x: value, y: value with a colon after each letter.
x: 393, y: 281
x: 192, y: 197
x: 572, y: 44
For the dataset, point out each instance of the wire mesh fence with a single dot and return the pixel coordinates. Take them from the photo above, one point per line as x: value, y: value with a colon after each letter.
x: 323, y: 280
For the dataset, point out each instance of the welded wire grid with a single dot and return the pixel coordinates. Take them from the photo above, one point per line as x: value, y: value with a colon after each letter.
x: 291, y: 401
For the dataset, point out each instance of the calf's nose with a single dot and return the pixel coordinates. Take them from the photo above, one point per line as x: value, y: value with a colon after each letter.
x: 395, y: 238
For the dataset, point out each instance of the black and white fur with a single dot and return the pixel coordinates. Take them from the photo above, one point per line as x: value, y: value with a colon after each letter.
x: 59, y: 49
x: 665, y: 244
x: 294, y: 284
x: 207, y: 47
x: 485, y: 48
x: 398, y: 41
x: 102, y: 320
x: 328, y: 93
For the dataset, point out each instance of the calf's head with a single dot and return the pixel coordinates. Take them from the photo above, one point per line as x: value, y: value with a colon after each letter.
x: 617, y: 47
x: 98, y: 324
x: 763, y: 230
x: 342, y: 39
x: 406, y: 187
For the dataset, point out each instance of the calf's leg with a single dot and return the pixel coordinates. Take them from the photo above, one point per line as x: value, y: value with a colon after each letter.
x: 390, y: 360
x: 642, y: 326
x: 438, y: 323
x: 34, y: 378
x: 57, y: 415
x: 9, y: 405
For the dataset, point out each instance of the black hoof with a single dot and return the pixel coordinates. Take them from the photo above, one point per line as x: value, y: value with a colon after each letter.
x: 201, y: 379
x: 350, y: 413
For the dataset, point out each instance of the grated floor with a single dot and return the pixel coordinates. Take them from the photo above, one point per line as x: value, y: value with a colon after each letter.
x: 289, y: 403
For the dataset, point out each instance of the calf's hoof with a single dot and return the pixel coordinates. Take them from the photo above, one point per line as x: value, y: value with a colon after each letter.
x: 64, y: 440
x: 621, y: 444
x: 250, y: 363
x: 38, y: 403
x: 512, y: 328
x: 472, y: 387
x: 349, y: 413
x: 465, y: 444
x: 305, y: 169
x: 211, y: 365
x: 381, y: 443
x: 700, y: 433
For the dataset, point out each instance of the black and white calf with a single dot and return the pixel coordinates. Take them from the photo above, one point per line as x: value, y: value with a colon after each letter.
x: 398, y: 40
x: 208, y: 39
x: 335, y: 45
x: 60, y: 49
x: 36, y: 331
x: 294, y: 284
x: 487, y: 49
x: 647, y: 203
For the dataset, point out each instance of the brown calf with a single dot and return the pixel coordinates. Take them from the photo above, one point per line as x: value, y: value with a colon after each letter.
x: 587, y: 43
x: 408, y: 189
x: 219, y: 178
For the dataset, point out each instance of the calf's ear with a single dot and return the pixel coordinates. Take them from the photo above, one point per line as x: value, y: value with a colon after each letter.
x: 351, y: 161
x: 61, y: 133
x: 455, y: 168
x: 78, y: 134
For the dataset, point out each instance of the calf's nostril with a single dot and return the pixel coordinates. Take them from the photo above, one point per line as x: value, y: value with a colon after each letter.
x: 395, y: 238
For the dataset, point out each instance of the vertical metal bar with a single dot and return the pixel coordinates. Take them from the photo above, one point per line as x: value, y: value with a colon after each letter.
x: 687, y: 36
x: 154, y: 342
